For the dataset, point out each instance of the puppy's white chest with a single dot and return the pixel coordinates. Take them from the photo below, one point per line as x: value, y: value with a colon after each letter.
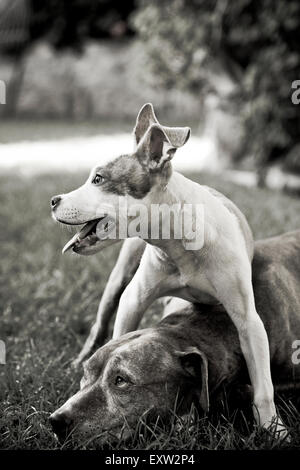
x: 193, y: 285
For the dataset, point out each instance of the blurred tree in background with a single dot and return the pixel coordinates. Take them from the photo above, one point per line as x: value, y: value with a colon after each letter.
x: 60, y: 23
x: 256, y: 41
x: 68, y: 23
x: 14, y: 40
x: 63, y: 23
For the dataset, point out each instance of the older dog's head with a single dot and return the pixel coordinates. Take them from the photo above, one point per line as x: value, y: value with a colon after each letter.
x: 141, y: 373
x: 108, y: 196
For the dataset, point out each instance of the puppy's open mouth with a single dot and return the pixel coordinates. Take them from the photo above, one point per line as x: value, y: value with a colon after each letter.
x: 88, y: 235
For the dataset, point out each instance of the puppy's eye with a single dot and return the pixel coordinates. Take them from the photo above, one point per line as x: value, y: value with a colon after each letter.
x: 97, y: 179
x: 119, y: 381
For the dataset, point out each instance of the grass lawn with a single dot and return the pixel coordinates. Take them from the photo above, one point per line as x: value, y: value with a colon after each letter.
x: 35, y: 130
x: 48, y: 302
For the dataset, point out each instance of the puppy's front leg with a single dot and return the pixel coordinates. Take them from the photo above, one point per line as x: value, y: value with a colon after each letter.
x: 149, y: 283
x: 124, y: 270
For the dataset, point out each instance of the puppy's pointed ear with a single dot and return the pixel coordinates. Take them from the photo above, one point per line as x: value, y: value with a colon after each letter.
x: 194, y: 363
x: 144, y: 120
x: 159, y: 144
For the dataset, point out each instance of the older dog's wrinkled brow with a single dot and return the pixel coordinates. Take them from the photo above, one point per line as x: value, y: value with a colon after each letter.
x: 94, y: 366
x: 89, y: 374
x: 113, y: 363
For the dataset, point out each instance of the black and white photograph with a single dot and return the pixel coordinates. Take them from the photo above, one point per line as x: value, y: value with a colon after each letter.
x: 150, y: 228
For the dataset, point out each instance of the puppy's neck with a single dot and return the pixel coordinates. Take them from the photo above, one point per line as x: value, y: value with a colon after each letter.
x: 175, y: 189
x: 175, y: 201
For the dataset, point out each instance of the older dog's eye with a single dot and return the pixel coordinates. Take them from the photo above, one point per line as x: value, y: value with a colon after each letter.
x: 97, y: 179
x: 120, y: 381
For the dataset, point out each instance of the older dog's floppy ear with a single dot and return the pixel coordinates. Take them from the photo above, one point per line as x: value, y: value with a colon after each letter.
x: 145, y: 118
x: 160, y: 143
x: 194, y: 363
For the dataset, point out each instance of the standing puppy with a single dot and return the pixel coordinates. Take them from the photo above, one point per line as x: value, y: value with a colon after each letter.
x: 217, y: 271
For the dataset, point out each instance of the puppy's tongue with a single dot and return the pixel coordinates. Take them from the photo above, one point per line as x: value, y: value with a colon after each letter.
x: 86, y: 229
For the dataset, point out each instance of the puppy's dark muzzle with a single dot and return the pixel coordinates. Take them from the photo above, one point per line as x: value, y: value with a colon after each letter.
x: 61, y: 425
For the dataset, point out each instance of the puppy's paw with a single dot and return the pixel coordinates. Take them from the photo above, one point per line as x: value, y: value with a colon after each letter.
x: 277, y: 430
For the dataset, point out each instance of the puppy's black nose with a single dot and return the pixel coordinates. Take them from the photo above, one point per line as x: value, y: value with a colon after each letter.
x: 60, y: 424
x: 55, y: 201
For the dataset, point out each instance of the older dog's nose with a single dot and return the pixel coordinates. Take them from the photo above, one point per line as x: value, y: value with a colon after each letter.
x: 55, y: 201
x: 60, y: 423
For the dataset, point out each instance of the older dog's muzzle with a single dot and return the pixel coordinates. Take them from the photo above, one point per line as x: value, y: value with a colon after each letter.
x: 61, y: 425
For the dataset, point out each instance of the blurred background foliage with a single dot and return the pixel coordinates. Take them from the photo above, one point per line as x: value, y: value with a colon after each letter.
x: 228, y: 65
x: 62, y: 23
x: 256, y: 42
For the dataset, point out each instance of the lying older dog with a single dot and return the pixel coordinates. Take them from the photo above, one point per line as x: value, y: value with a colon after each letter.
x: 216, y: 270
x: 194, y: 352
